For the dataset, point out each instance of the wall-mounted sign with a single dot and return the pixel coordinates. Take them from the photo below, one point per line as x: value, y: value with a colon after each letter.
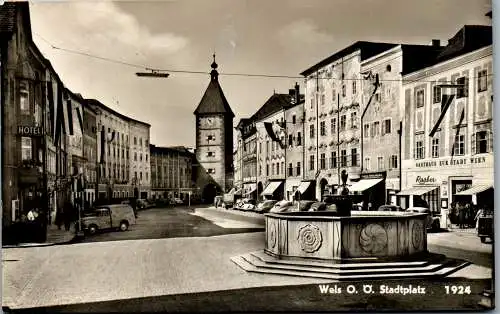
x: 450, y: 162
x: 29, y: 130
x: 425, y: 180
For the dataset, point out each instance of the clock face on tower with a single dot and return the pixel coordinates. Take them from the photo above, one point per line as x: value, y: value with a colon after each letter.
x: 210, y: 121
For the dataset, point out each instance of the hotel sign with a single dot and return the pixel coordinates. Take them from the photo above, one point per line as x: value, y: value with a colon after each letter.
x: 450, y: 162
x: 29, y: 130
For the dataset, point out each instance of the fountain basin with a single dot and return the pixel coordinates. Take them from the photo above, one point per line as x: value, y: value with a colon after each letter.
x: 364, y: 236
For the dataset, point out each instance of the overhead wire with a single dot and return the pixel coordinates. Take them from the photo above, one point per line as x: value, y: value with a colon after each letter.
x: 151, y: 68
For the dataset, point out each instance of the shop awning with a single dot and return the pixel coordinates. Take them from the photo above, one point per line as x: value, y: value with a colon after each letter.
x: 252, y: 189
x: 238, y: 192
x: 363, y: 185
x: 417, y: 190
x: 271, y: 187
x: 304, y: 185
x: 475, y: 189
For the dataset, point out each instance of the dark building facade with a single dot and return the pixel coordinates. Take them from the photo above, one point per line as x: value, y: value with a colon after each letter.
x: 90, y: 152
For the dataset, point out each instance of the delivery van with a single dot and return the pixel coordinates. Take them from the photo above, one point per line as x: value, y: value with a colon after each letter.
x: 119, y: 216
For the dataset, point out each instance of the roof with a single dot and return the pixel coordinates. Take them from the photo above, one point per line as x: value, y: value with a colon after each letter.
x: 418, y: 56
x: 97, y: 103
x: 274, y: 104
x: 214, y: 101
x: 8, y: 17
x: 368, y: 50
x: 172, y: 149
x: 467, y: 39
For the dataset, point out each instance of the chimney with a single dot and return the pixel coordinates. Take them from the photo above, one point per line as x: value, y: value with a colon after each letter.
x: 436, y: 43
x: 297, y: 93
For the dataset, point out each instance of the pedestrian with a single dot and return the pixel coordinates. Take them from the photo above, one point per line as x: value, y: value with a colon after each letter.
x: 479, y: 213
x: 461, y: 215
x: 68, y: 213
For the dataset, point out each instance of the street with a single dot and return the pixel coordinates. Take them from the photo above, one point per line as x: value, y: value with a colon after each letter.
x: 183, y: 262
x: 171, y: 222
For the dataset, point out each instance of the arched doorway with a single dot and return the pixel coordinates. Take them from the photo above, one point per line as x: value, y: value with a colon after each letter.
x: 260, y: 189
x: 322, y: 185
x: 209, y: 192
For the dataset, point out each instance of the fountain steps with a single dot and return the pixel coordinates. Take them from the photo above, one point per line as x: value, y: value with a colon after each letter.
x: 260, y: 262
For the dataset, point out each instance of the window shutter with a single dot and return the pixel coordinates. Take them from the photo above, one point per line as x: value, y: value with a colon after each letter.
x: 473, y: 148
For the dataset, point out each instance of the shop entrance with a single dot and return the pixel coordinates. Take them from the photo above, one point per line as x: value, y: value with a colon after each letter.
x: 459, y: 186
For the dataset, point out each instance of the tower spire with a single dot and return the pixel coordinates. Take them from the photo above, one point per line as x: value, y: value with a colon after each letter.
x: 214, y: 72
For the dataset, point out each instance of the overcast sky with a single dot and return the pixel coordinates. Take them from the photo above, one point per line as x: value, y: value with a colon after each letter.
x: 279, y: 37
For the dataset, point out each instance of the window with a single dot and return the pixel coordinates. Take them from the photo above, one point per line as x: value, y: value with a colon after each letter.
x: 140, y: 141
x: 290, y: 140
x: 277, y: 168
x: 482, y: 81
x: 146, y: 157
x: 290, y: 169
x: 354, y: 87
x: 459, y: 145
x: 366, y: 130
x: 435, y: 148
x: 123, y: 154
x: 135, y: 139
x: 26, y: 148
x: 312, y: 103
x: 394, y: 161
x: 260, y: 170
x: 260, y: 147
x: 376, y: 128
x: 135, y: 174
x: 322, y: 128
x: 481, y: 142
x: 267, y: 170
x: 146, y: 143
x: 342, y: 122
x: 311, y: 131
x: 387, y: 126
x: 127, y: 154
x: 419, y: 150
x: 210, y: 154
x: 333, y: 160
x: 24, y: 98
x: 343, y: 158
x: 114, y: 152
x: 354, y: 120
x: 298, y: 168
x: 354, y: 157
x: 333, y: 125
x: 267, y: 146
x: 135, y: 156
x: 436, y: 94
x: 211, y: 170
x: 334, y: 95
x: 463, y: 90
x: 140, y: 157
x: 367, y: 163
x: 274, y: 169
x: 322, y: 99
x: 322, y: 161
x: 343, y: 91
x: 283, y: 170
x: 380, y: 163
x: 299, y: 139
x: 420, y: 98
x: 311, y: 162
x: 210, y: 138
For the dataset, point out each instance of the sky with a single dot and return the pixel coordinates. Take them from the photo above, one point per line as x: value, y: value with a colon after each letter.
x: 280, y: 37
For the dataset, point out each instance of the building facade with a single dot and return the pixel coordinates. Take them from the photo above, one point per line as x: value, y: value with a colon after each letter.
x: 248, y: 157
x: 214, y: 140
x: 171, y: 172
x: 90, y: 152
x: 448, y: 145
x: 140, y: 165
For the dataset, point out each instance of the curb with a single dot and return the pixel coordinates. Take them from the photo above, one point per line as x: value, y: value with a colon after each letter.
x: 30, y: 245
x: 259, y: 220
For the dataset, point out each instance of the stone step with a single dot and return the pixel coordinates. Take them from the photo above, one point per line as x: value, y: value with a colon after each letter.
x: 361, y: 270
x: 245, y: 262
x: 353, y: 265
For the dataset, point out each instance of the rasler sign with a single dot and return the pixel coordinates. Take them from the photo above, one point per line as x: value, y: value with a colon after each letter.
x: 425, y: 180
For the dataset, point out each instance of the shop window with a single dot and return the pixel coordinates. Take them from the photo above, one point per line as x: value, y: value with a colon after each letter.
x: 298, y: 168
x: 463, y: 90
x: 419, y: 150
x: 436, y: 94
x: 26, y: 148
x: 322, y: 161
x: 322, y: 128
x: 420, y: 100
x: 435, y: 147
x: 459, y: 145
x: 311, y: 162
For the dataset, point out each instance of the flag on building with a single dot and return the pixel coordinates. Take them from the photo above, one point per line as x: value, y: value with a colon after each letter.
x: 446, y: 100
x: 274, y: 130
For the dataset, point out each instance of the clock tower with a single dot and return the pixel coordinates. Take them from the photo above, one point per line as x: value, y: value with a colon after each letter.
x: 214, y: 140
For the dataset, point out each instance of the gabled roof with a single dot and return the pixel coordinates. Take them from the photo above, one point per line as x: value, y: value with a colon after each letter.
x: 274, y: 104
x: 368, y: 49
x: 467, y: 39
x: 96, y: 103
x: 214, y: 101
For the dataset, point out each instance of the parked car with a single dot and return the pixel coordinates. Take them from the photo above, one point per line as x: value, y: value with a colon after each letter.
x: 281, y: 206
x: 240, y: 204
x: 432, y: 223
x: 176, y: 201
x: 119, y: 216
x: 485, y: 225
x: 390, y: 208
x: 265, y: 206
x: 305, y: 205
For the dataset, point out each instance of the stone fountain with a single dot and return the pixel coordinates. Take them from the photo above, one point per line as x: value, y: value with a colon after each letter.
x: 347, y: 245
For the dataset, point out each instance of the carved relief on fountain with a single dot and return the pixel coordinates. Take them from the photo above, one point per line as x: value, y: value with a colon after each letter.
x: 310, y: 238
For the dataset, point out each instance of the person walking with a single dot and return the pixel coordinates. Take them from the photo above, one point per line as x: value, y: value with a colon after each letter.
x: 479, y: 213
x: 68, y: 213
x: 461, y: 215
